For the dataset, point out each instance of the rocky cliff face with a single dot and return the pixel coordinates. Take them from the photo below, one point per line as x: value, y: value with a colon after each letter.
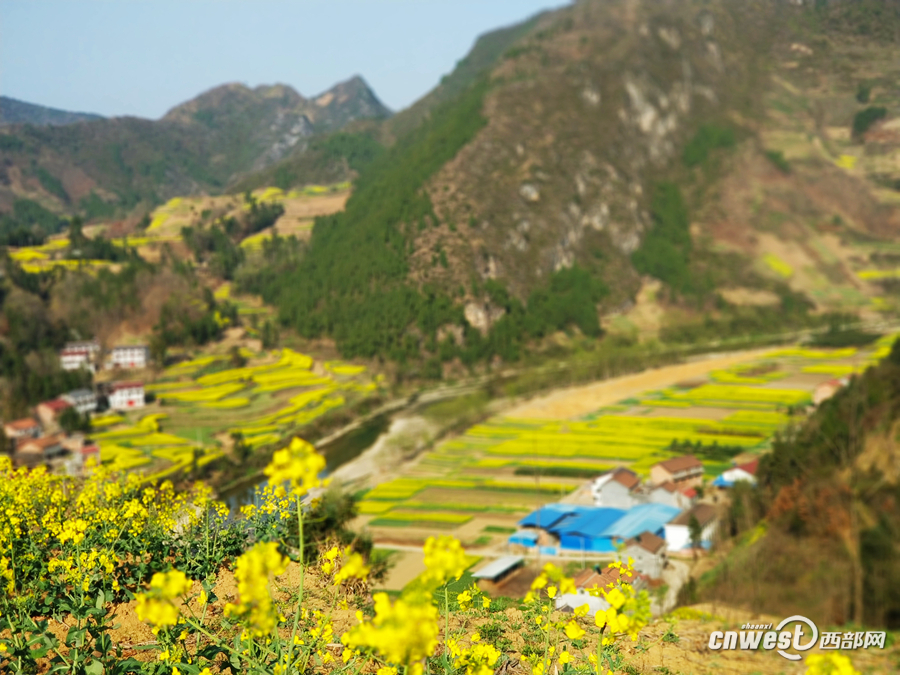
x: 586, y: 112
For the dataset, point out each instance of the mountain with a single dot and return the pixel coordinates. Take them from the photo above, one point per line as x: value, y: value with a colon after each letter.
x: 109, y: 165
x: 13, y: 111
x: 677, y: 171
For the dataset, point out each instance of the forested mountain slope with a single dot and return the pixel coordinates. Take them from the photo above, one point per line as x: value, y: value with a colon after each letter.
x: 13, y: 111
x: 730, y: 163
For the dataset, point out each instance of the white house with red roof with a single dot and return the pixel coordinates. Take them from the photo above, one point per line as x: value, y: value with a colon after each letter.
x: 828, y: 389
x: 77, y: 355
x: 126, y: 395
x: 129, y: 357
x: 616, y: 489
x: 741, y: 472
x: 26, y: 427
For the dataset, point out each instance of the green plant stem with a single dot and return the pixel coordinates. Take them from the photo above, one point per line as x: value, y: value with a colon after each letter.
x: 446, y: 627
x: 302, y: 569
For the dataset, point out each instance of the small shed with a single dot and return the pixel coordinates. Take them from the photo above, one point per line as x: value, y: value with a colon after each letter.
x: 526, y: 538
x: 497, y: 570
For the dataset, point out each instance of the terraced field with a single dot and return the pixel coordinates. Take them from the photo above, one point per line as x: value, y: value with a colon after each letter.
x: 480, y: 484
x: 204, y: 401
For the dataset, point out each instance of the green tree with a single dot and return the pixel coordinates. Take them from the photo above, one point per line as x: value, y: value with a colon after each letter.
x: 71, y: 421
x: 696, y: 533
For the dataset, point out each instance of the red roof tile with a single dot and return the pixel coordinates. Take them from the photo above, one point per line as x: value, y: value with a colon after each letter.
x: 625, y: 477
x: 681, y: 463
x: 57, y: 405
x: 647, y: 541
x: 749, y: 467
x: 23, y: 424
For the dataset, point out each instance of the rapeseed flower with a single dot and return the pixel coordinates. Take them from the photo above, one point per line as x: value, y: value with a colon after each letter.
x: 353, y: 567
x: 829, y: 664
x: 480, y: 659
x: 445, y: 558
x: 252, y: 572
x: 402, y: 633
x: 299, y: 465
x: 157, y: 607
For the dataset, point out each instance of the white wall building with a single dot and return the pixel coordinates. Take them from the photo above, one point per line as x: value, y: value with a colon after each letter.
x: 83, y: 400
x: 129, y: 357
x: 126, y: 395
x: 648, y: 552
x: 678, y: 534
x: 615, y: 489
x: 76, y: 355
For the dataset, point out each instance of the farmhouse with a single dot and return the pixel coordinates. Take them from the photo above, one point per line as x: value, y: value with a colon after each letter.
x: 648, y: 553
x: 129, y: 357
x: 593, y: 578
x: 685, y: 471
x: 34, y: 452
x: 616, y: 489
x: 667, y: 493
x: 126, y: 395
x: 677, y: 532
x: 48, y: 412
x: 741, y: 472
x: 83, y: 400
x: 23, y: 428
x: 77, y: 355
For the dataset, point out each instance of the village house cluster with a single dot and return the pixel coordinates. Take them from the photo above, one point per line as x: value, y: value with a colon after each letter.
x: 619, y: 515
x: 41, y: 440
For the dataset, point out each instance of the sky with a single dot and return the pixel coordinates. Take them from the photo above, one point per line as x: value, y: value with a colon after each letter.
x: 143, y: 57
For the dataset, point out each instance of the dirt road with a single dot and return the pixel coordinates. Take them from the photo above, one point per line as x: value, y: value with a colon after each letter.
x: 576, y: 402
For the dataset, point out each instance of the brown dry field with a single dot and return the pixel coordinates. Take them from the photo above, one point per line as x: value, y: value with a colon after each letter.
x: 576, y: 402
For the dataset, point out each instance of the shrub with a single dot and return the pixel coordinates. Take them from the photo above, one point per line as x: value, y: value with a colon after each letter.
x: 864, y: 119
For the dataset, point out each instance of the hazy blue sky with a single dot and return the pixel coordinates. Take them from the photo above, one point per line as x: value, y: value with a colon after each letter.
x: 142, y: 57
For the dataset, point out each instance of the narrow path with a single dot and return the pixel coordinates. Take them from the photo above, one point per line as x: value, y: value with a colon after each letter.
x: 575, y: 402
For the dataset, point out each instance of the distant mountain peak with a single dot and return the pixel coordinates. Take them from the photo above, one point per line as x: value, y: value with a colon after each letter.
x: 349, y: 100
x: 13, y: 111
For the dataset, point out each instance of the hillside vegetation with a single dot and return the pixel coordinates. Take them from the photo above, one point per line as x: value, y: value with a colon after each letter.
x: 109, y: 167
x: 605, y: 148
x: 824, y: 522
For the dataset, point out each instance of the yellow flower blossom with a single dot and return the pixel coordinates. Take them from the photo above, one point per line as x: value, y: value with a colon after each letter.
x: 401, y: 633
x: 574, y: 631
x: 299, y: 465
x: 252, y: 572
x: 444, y: 559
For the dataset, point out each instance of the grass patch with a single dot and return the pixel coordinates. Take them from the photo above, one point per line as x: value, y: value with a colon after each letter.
x: 497, y: 529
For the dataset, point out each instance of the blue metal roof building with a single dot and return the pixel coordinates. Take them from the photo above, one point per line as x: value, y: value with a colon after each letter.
x: 549, y: 515
x: 585, y: 531
x: 642, y: 518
